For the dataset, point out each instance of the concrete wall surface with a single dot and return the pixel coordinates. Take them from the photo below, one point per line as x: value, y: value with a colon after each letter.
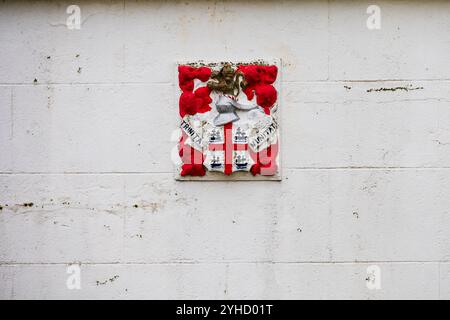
x: 86, y: 178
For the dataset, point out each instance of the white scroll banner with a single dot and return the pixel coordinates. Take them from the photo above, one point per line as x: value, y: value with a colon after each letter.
x: 264, y: 137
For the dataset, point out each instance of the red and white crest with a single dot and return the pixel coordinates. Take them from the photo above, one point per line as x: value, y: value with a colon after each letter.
x: 229, y: 121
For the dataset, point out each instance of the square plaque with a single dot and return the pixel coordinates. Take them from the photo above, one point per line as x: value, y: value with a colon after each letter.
x: 229, y: 118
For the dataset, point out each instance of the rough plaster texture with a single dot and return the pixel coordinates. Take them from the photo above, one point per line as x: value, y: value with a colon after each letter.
x: 85, y: 123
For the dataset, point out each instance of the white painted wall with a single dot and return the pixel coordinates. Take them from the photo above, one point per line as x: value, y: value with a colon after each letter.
x: 366, y: 173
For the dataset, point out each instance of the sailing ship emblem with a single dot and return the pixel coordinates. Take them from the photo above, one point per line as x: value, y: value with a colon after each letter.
x: 240, y: 136
x: 241, y: 162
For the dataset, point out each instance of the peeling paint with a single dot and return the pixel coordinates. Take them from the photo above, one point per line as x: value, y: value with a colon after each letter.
x: 441, y: 143
x: 410, y: 88
x: 153, y: 206
x: 111, y: 280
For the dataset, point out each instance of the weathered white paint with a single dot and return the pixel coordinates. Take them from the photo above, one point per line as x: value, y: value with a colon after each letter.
x: 366, y: 171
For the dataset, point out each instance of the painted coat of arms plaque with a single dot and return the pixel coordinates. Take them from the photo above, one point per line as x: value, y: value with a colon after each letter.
x: 229, y: 121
